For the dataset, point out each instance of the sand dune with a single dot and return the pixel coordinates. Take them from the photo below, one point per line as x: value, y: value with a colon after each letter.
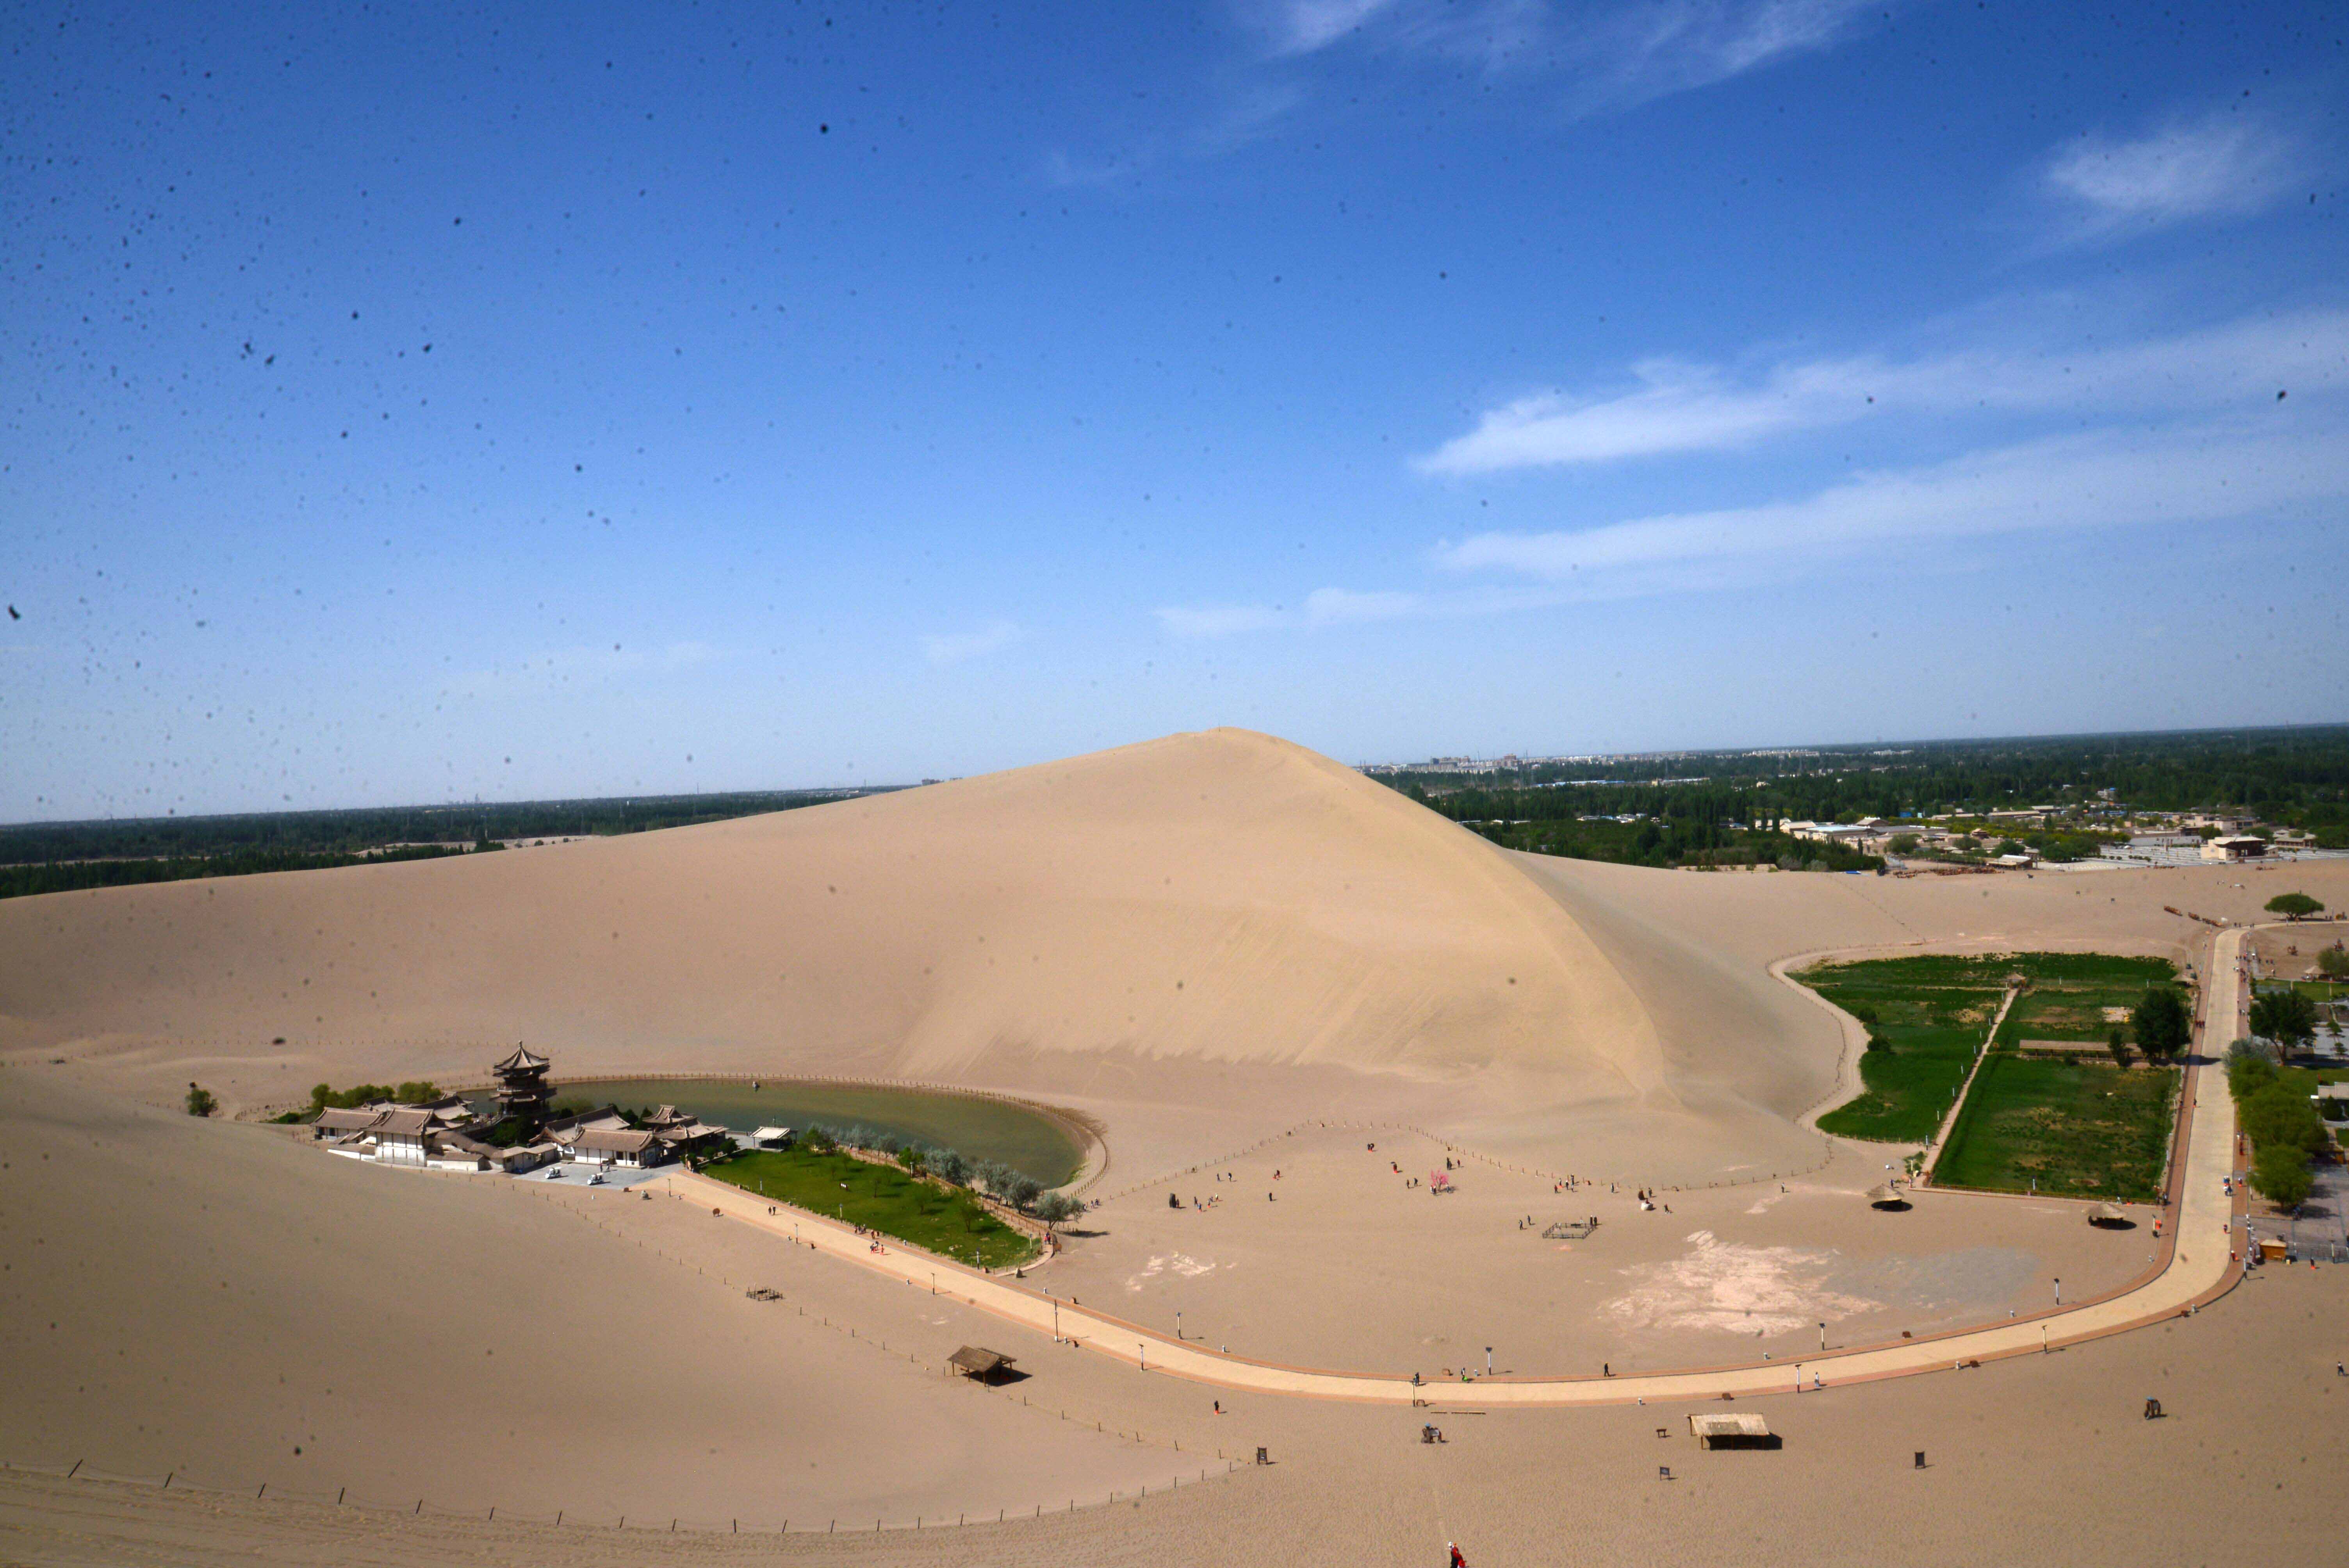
x: 1221, y: 899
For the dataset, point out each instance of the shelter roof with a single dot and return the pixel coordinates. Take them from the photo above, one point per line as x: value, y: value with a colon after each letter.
x: 1737, y: 1425
x: 978, y: 1360
x: 522, y: 1060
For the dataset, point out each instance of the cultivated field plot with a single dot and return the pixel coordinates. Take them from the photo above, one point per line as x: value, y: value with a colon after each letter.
x: 1931, y: 1014
x: 2067, y: 1128
x: 882, y: 1198
x: 2080, y: 996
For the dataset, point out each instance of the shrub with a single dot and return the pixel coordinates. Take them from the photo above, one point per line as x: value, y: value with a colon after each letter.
x: 2117, y: 1042
x: 199, y: 1101
x: 2333, y: 962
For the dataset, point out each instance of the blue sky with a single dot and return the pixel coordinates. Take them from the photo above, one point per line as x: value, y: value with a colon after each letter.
x: 415, y: 404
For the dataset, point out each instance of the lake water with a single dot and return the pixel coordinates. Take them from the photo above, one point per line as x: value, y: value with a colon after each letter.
x: 980, y: 1129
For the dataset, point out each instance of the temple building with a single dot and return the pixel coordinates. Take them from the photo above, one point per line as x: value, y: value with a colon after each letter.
x: 524, y: 1092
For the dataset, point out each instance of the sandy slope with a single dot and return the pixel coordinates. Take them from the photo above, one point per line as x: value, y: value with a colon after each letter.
x: 223, y: 1301
x: 1213, y: 901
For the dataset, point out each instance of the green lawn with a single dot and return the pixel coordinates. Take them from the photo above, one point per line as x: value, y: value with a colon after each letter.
x: 1934, y: 1012
x: 2084, y: 1130
x: 1934, y: 1009
x: 2071, y: 991
x: 883, y: 1198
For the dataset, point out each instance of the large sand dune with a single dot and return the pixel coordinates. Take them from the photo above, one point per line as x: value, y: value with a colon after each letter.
x: 1202, y: 903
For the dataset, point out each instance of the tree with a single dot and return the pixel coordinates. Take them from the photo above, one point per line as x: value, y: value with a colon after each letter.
x: 2334, y: 964
x: 1057, y: 1208
x: 2286, y: 1018
x: 1902, y: 844
x: 2294, y: 905
x: 1025, y: 1190
x: 201, y: 1101
x: 950, y: 1167
x: 2118, y: 1045
x: 2162, y: 1025
x: 2281, y: 1173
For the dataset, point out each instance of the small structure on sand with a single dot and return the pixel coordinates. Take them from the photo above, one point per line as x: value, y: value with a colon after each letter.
x: 1569, y: 1230
x: 1888, y: 1199
x: 2107, y: 1214
x: 1732, y: 1431
x: 977, y: 1361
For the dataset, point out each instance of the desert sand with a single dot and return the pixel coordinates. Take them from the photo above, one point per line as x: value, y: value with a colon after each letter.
x: 1235, y: 956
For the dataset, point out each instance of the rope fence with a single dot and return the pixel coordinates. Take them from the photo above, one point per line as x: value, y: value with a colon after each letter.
x: 177, y: 1482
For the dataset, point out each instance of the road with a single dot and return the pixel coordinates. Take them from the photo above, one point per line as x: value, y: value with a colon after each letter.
x: 2198, y: 1266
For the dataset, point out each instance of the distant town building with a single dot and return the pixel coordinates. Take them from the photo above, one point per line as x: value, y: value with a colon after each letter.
x: 2234, y: 847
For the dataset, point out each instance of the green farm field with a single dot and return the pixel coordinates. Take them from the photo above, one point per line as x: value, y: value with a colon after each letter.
x: 884, y: 1198
x: 1931, y: 1012
x: 2073, y: 1129
x: 2073, y: 995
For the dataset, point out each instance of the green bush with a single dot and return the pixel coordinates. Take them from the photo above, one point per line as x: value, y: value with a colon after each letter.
x: 2333, y: 962
x: 199, y: 1101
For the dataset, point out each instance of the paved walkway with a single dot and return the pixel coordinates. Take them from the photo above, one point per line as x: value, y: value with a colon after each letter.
x: 2194, y: 1266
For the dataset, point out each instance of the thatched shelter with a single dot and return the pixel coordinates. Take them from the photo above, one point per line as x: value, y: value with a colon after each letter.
x: 2107, y: 1214
x: 1888, y: 1198
x: 976, y: 1361
x: 1737, y: 1431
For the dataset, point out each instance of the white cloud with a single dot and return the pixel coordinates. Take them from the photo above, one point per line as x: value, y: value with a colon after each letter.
x: 2213, y: 473
x: 1302, y: 26
x: 2103, y: 480
x: 954, y: 647
x: 1648, y: 50
x: 2223, y: 166
x: 1612, y: 55
x: 1682, y: 407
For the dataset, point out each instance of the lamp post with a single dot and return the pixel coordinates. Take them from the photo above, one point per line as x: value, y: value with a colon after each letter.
x: 1823, y: 1339
x: 2059, y: 1291
x: 1488, y: 1361
x: 1178, y: 1323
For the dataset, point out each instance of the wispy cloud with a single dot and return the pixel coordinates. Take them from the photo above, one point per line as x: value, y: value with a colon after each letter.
x: 1610, y: 55
x: 954, y: 647
x: 1302, y: 26
x: 1676, y: 407
x: 2225, y: 165
x: 2208, y: 473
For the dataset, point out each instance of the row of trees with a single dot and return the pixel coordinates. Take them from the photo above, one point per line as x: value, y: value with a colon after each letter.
x: 997, y: 1180
x: 2296, y: 776
x: 2274, y: 1110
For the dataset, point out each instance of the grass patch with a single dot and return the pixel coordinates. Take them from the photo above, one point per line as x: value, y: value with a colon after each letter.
x: 2070, y: 993
x: 1931, y: 1010
x: 2085, y: 1130
x: 1931, y: 1014
x: 884, y: 1198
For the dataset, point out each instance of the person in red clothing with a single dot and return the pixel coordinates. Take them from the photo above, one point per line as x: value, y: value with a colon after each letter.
x: 1457, y: 1561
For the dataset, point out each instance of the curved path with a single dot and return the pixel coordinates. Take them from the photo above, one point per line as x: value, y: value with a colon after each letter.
x: 2197, y: 1265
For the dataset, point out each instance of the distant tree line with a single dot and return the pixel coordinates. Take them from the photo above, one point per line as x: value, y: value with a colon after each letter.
x: 2296, y: 778
x: 367, y: 827
x: 67, y: 876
